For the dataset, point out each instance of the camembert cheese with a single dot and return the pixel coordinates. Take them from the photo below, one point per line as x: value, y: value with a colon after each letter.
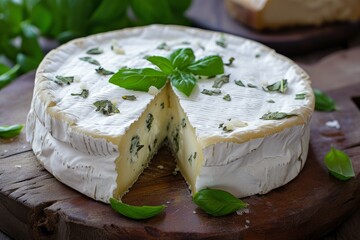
x: 275, y: 14
x: 220, y: 140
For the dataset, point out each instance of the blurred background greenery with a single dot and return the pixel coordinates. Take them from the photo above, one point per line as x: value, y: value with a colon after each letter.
x: 23, y: 23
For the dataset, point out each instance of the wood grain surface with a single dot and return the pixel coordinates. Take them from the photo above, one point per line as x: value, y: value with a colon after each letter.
x: 35, y: 205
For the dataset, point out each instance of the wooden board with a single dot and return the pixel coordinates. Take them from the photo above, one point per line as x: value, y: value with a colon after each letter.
x: 212, y: 14
x: 35, y: 205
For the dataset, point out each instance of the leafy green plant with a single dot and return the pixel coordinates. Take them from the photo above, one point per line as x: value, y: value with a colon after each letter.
x: 10, y: 131
x: 180, y: 68
x: 339, y: 164
x: 22, y: 22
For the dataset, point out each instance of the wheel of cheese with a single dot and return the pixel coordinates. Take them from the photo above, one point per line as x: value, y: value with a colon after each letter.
x: 246, y: 139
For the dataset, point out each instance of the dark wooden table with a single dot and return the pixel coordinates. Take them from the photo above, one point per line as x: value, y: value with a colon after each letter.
x: 35, y: 205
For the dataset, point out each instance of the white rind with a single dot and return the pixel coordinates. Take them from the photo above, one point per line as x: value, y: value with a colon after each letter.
x: 79, y: 146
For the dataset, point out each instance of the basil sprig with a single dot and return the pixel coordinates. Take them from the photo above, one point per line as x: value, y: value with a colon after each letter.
x: 217, y: 202
x: 323, y: 102
x: 180, y: 68
x: 136, y: 212
x: 339, y: 164
x: 10, y: 131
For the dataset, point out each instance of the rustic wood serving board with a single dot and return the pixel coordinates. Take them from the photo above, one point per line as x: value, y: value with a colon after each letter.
x: 33, y: 204
x: 212, y: 14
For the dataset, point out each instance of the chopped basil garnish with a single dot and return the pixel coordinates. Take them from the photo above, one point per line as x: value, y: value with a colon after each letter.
x: 276, y: 116
x: 239, y: 83
x: 106, y: 107
x: 227, y: 97
x: 61, y: 80
x: 323, y: 102
x: 211, y: 92
x: 136, y: 212
x: 339, y: 164
x: 149, y: 120
x: 179, y: 68
x: 185, y: 43
x: 217, y: 202
x: 90, y: 60
x: 224, y: 128
x: 221, y: 80
x: 84, y: 93
x: 300, y: 96
x: 221, y: 42
x: 163, y: 46
x: 102, y: 71
x: 231, y: 60
x: 257, y: 55
x: 251, y: 85
x: 270, y: 101
x: 279, y: 86
x: 10, y: 131
x: 94, y: 51
x: 129, y: 97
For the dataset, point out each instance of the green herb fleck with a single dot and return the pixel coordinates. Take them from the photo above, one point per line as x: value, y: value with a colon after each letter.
x: 224, y: 128
x: 270, y: 101
x: 339, y: 164
x: 195, y: 154
x: 251, y: 85
x: 217, y: 202
x: 222, y: 41
x: 279, y: 86
x: 300, y: 96
x: 10, y: 131
x: 106, y: 107
x: 185, y: 43
x: 94, y: 51
x: 220, y: 81
x: 84, y: 93
x: 102, y: 71
x: 90, y: 60
x: 257, y: 55
x: 175, y: 138
x: 276, y: 116
x: 135, y: 145
x: 163, y: 46
x: 129, y: 97
x: 239, y: 83
x: 149, y: 120
x: 231, y: 60
x: 211, y: 92
x: 136, y: 212
x: 183, y: 122
x: 227, y: 97
x: 60, y: 80
x: 323, y: 102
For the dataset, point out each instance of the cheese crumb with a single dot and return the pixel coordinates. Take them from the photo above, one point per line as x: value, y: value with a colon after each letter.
x: 17, y: 166
x: 160, y: 166
x: 333, y: 124
x: 234, y: 123
x: 176, y: 170
x: 116, y: 48
x: 194, y: 212
x: 153, y: 90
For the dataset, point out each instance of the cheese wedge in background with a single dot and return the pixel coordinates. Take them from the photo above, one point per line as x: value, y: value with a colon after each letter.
x: 275, y: 14
x: 217, y: 143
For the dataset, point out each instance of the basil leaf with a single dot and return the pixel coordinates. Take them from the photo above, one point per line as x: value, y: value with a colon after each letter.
x: 276, y: 116
x: 183, y: 81
x: 10, y: 131
x: 207, y: 66
x: 218, y: 202
x: 90, y: 60
x: 139, y: 79
x: 182, y: 57
x: 339, y: 164
x: 27, y: 63
x: 163, y: 63
x: 136, y: 212
x: 29, y: 43
x: 279, y: 86
x: 323, y: 102
x: 9, y: 76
